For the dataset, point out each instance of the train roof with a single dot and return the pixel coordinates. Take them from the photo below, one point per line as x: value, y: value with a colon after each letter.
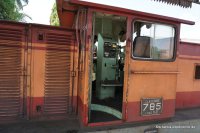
x: 190, y: 41
x: 67, y: 5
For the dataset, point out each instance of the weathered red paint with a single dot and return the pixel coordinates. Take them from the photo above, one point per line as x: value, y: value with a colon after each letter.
x: 32, y: 103
x: 66, y: 12
x: 82, y: 112
x: 124, y: 111
x: 133, y: 111
x: 192, y: 49
x: 117, y: 122
x: 187, y: 99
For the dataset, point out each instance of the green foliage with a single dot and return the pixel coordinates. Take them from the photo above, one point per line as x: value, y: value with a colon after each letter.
x: 10, y: 10
x: 54, y: 20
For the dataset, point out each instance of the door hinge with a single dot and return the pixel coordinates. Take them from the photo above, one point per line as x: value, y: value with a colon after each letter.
x: 73, y: 73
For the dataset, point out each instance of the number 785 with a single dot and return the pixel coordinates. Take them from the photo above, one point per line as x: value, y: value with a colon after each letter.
x: 152, y: 106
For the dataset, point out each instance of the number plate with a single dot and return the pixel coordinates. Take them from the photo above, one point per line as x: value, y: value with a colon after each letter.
x: 151, y: 106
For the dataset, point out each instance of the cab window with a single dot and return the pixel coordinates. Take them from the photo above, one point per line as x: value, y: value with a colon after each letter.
x: 153, y: 41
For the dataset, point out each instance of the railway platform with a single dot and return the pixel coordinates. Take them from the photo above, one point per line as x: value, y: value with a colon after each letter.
x: 185, y: 121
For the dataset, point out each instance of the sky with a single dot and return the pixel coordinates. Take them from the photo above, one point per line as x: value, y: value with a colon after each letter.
x: 40, y: 13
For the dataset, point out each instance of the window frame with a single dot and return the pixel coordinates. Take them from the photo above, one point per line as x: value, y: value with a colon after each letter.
x: 195, y: 68
x: 149, y: 59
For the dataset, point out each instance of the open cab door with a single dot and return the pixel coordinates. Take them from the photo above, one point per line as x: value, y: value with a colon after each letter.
x: 107, y: 68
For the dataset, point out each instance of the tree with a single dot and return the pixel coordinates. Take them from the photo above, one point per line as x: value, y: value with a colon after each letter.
x: 11, y: 10
x: 54, y: 20
x: 21, y: 3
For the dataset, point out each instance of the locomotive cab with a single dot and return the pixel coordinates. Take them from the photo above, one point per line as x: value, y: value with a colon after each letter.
x: 107, y: 65
x: 128, y: 64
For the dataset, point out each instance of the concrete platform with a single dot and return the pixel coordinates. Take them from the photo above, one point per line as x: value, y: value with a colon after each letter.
x: 65, y: 126
x: 185, y: 121
x: 188, y: 126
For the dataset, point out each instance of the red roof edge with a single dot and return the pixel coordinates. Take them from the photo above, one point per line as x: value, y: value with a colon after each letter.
x: 128, y: 11
x: 34, y: 25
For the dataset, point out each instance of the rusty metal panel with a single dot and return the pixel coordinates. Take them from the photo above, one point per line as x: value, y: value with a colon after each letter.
x: 10, y: 73
x: 58, y: 68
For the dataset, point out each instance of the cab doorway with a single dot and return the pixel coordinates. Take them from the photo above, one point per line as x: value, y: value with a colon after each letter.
x: 107, y: 68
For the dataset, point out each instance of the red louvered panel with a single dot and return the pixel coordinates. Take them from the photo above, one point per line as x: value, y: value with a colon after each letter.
x: 58, y: 73
x: 10, y: 73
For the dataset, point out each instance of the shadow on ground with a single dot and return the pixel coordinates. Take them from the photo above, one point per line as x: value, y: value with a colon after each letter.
x: 42, y: 127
